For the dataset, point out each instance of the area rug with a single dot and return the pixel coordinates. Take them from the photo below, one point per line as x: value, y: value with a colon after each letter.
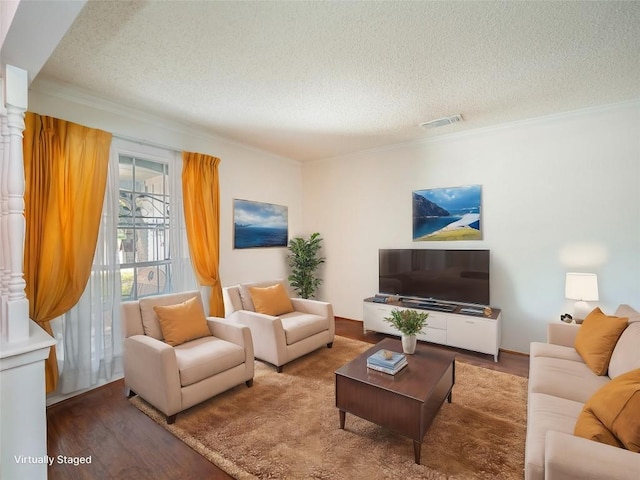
x: 287, y: 427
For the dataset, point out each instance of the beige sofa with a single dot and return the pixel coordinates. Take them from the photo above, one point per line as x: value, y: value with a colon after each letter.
x: 560, y: 383
x: 174, y: 378
x: 279, y: 339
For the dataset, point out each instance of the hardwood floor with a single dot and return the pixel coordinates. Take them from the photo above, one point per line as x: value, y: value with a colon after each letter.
x: 123, y: 443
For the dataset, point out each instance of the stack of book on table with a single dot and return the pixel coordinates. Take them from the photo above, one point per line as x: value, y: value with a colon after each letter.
x: 387, y: 361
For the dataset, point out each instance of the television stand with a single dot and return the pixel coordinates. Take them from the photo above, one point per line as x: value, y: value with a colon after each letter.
x: 461, y: 326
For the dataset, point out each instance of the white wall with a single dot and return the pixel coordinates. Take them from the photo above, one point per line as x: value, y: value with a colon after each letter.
x: 559, y: 194
x: 245, y: 172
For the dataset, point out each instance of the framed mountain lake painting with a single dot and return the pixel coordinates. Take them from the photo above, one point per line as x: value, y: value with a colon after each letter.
x: 447, y: 214
x: 259, y: 225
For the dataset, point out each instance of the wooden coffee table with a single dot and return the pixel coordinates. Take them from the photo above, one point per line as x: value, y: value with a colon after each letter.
x: 406, y: 402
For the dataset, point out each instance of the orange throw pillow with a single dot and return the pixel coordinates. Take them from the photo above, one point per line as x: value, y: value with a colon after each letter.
x: 611, y: 415
x: 596, y: 339
x: 271, y: 300
x: 182, y: 322
x: 588, y: 426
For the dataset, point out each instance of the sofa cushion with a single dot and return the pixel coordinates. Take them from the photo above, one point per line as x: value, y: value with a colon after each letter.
x: 564, y: 379
x: 588, y: 426
x: 539, y: 349
x: 597, y: 338
x: 272, y: 300
x: 626, y: 354
x: 546, y: 412
x: 150, y: 321
x: 206, y: 357
x: 245, y: 293
x: 182, y: 322
x: 617, y: 407
x: 232, y: 300
x: 298, y: 326
x: 627, y: 311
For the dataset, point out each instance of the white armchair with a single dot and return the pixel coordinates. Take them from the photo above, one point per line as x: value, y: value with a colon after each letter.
x: 279, y: 339
x: 174, y: 378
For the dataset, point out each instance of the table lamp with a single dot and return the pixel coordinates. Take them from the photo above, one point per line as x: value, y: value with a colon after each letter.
x: 582, y: 287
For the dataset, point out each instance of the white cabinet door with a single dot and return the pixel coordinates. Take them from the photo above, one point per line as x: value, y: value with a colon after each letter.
x: 373, y: 317
x: 436, y: 329
x: 471, y: 333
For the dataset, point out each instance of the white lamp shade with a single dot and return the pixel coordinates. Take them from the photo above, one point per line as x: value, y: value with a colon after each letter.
x: 581, y: 286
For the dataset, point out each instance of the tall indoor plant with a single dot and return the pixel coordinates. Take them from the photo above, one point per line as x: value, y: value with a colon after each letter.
x: 409, y: 322
x: 304, y: 261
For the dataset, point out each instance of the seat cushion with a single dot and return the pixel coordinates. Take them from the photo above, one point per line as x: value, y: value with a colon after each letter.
x: 626, y: 354
x: 206, y: 357
x: 298, y: 326
x: 564, y: 379
x: 182, y: 322
x: 597, y: 338
x: 546, y: 412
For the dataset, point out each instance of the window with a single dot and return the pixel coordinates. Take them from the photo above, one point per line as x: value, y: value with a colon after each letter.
x: 143, y: 227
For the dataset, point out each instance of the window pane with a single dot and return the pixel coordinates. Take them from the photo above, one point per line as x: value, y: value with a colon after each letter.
x: 126, y: 275
x: 126, y: 208
x: 151, y: 280
x: 126, y: 173
x: 149, y: 180
x: 143, y: 227
x: 149, y: 245
x: 151, y: 207
x: 126, y: 245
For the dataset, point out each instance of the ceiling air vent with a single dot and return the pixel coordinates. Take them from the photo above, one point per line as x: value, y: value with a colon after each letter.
x: 441, y: 122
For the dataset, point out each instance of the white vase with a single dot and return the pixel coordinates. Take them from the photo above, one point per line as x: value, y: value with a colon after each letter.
x: 409, y: 344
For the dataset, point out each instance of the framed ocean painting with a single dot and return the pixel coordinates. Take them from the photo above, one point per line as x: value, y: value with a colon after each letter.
x: 447, y: 214
x: 259, y: 225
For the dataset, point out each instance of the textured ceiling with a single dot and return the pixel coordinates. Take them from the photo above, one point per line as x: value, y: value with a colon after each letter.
x: 310, y: 80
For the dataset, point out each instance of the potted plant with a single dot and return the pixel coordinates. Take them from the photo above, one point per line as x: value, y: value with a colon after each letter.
x: 409, y: 322
x: 304, y: 261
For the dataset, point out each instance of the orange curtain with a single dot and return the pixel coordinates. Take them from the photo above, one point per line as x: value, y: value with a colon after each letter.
x: 65, y: 167
x: 202, y: 219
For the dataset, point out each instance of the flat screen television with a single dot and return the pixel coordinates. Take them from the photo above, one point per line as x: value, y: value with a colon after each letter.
x: 457, y: 276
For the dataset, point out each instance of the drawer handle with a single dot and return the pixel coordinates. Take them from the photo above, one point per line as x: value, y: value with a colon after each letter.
x: 471, y: 322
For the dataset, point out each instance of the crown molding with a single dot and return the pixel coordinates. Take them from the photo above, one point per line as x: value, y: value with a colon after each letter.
x: 489, y: 130
x: 79, y: 96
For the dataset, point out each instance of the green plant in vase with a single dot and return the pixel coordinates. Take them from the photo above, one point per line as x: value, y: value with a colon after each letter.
x: 304, y: 261
x: 409, y: 323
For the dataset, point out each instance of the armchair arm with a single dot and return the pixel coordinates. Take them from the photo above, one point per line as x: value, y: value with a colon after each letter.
x: 316, y: 307
x: 269, y: 341
x: 234, y: 333
x: 562, y: 333
x: 568, y: 457
x: 151, y: 370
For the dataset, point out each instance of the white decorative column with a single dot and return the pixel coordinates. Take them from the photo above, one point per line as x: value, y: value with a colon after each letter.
x: 4, y: 208
x: 17, y: 305
x: 23, y: 344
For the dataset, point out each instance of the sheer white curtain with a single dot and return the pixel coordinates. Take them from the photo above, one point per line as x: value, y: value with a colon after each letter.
x: 183, y: 277
x: 90, y: 335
